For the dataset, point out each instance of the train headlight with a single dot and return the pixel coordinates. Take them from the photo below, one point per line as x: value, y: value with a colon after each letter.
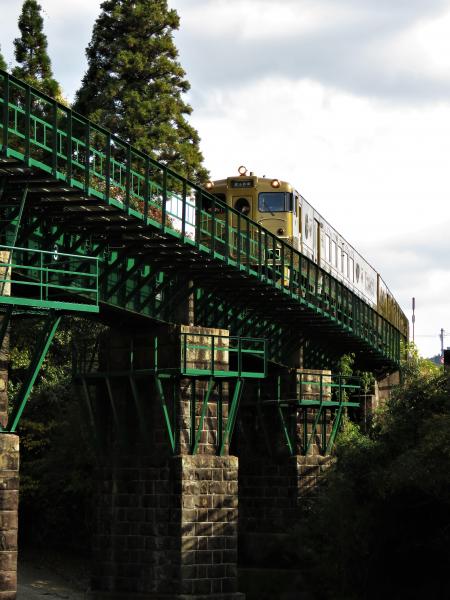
x: 280, y: 231
x: 242, y: 170
x: 209, y: 185
x: 275, y: 183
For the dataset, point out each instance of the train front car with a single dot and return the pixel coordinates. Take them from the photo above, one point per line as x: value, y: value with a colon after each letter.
x: 269, y: 202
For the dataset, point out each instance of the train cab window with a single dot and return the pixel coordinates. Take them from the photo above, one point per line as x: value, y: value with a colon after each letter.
x: 242, y: 205
x: 219, y: 206
x: 274, y: 202
x: 221, y: 197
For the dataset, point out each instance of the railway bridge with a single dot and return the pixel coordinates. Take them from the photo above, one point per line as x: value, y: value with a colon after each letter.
x: 211, y: 383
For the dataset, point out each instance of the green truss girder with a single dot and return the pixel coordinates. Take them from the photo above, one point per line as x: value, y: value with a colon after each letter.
x: 154, y: 203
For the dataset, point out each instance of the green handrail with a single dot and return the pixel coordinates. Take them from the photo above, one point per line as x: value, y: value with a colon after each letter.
x: 46, y: 279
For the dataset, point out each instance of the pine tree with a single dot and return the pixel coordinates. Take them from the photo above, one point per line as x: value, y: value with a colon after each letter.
x: 34, y: 65
x: 2, y: 62
x: 134, y: 84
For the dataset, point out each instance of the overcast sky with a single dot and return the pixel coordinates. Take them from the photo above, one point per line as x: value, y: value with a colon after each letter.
x: 348, y: 100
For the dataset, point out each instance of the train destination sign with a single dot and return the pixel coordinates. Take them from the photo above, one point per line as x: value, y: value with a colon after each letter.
x: 242, y: 183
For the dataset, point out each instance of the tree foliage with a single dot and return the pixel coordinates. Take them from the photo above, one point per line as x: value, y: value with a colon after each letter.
x: 34, y: 65
x: 382, y: 529
x: 57, y: 457
x: 134, y: 84
x: 2, y: 61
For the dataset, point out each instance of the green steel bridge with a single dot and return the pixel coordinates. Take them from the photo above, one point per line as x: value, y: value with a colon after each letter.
x: 92, y: 225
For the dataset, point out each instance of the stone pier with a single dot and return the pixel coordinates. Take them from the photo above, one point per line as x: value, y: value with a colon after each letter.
x: 9, y: 471
x: 9, y: 499
x: 167, y: 520
x: 274, y: 480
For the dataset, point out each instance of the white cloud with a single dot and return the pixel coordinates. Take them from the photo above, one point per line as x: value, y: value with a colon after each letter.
x: 423, y: 48
x: 377, y: 172
x: 260, y: 19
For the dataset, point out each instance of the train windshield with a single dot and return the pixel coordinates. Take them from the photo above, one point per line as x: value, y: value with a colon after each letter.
x: 274, y: 202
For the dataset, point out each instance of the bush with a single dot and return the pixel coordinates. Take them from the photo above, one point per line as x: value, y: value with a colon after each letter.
x: 385, y: 516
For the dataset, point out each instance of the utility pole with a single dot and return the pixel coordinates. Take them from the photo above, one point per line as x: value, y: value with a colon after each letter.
x: 442, y: 341
x: 413, y: 317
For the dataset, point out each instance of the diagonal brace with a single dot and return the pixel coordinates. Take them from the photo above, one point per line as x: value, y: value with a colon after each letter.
x: 232, y: 412
x: 42, y: 347
x: 198, y: 432
x: 170, y: 429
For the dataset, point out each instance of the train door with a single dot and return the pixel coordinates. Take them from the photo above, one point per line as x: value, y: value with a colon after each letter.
x: 296, y: 221
x: 317, y: 251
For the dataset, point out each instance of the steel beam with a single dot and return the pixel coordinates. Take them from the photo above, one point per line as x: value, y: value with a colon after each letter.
x: 51, y: 325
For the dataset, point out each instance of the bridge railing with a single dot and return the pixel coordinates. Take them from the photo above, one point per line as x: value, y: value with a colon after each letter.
x: 191, y: 355
x: 46, y: 134
x: 220, y: 355
x: 48, y: 279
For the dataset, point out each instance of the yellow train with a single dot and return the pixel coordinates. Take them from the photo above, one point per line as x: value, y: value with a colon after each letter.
x: 278, y: 207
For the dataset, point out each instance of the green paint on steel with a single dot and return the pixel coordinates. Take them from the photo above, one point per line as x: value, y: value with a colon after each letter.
x: 47, y: 279
x: 19, y: 216
x: 48, y: 333
x: 196, y: 433
x: 121, y: 177
x: 232, y: 413
x: 219, y: 349
x: 284, y: 425
x: 162, y: 397
x: 331, y: 399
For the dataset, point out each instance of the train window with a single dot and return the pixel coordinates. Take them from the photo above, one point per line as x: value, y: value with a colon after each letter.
x: 333, y: 254
x: 274, y: 202
x: 242, y: 205
x: 219, y: 206
x: 327, y: 247
x: 351, y: 275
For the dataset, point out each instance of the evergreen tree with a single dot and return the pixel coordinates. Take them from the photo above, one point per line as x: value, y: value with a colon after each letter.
x: 134, y: 84
x: 2, y: 62
x: 34, y: 65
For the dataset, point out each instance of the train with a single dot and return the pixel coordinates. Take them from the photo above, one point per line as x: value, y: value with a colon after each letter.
x: 277, y: 206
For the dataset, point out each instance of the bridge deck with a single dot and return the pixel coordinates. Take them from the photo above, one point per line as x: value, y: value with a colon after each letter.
x: 91, y: 193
